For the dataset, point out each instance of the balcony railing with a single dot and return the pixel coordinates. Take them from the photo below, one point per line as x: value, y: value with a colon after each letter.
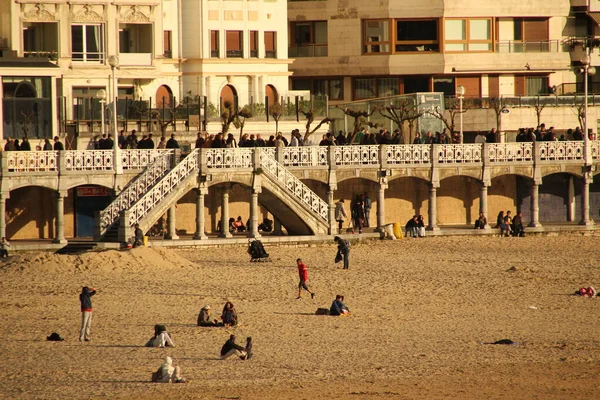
x: 544, y: 46
x: 308, y: 50
x: 51, y: 54
x: 88, y: 57
x: 234, y: 53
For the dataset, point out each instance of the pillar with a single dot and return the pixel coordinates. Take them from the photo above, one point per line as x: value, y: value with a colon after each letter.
x: 483, y: 203
x: 253, y: 228
x: 585, y: 201
x: 277, y: 227
x: 59, y: 236
x: 199, y: 234
x: 571, y: 200
x: 225, y: 215
x: 433, y: 209
x: 3, y: 215
x: 535, y: 206
x: 172, y: 223
x: 332, y: 223
x: 381, y: 207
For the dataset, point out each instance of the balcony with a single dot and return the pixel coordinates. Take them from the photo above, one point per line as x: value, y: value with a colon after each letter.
x: 579, y: 46
x: 545, y: 46
x: 311, y: 50
x: 135, y: 59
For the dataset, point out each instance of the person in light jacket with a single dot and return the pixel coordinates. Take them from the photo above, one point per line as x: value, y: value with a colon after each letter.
x: 340, y: 214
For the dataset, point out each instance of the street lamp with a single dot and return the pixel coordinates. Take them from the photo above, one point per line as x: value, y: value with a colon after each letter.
x: 460, y: 91
x: 113, y: 61
x: 587, y: 71
x: 101, y: 95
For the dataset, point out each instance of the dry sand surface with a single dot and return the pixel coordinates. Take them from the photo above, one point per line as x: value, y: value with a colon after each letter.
x: 423, y: 310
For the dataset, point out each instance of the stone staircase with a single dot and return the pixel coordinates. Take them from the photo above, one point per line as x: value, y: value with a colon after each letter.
x: 300, y: 210
x: 107, y: 220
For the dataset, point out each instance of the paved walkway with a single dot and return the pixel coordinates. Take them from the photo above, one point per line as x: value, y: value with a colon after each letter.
x: 368, y: 233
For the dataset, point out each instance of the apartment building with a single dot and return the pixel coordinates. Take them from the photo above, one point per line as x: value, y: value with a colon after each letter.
x: 356, y: 49
x: 235, y: 50
x: 56, y: 56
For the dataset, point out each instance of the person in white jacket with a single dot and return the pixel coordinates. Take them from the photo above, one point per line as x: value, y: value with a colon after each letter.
x: 340, y: 214
x: 167, y: 373
x: 161, y: 338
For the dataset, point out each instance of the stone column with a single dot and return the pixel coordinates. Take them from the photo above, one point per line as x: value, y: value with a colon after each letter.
x: 433, y: 209
x: 332, y: 223
x: 535, y: 206
x: 225, y: 215
x: 199, y: 234
x: 172, y: 223
x: 253, y: 228
x: 3, y: 198
x: 277, y: 227
x: 381, y: 207
x: 59, y: 236
x: 483, y: 203
x: 571, y: 200
x: 585, y: 201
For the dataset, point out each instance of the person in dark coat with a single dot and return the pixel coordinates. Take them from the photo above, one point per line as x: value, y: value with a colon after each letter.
x: 85, y: 298
x: 172, y: 143
x: 58, y: 146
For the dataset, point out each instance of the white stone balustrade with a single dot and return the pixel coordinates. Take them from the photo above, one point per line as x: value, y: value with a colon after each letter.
x: 228, y: 158
x: 509, y: 152
x: 561, y: 151
x: 30, y: 161
x: 408, y: 154
x: 356, y: 155
x: 462, y: 153
x: 85, y: 160
x: 305, y: 156
x: 140, y: 158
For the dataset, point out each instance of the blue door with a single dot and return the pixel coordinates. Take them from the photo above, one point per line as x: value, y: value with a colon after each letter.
x: 88, y: 201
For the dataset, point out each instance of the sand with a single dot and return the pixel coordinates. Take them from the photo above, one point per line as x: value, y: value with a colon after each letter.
x: 423, y: 310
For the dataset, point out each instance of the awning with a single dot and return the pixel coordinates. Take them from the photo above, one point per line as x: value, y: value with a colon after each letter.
x: 595, y: 16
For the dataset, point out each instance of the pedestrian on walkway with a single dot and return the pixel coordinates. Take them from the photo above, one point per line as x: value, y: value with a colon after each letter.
x: 86, y: 313
x: 303, y: 273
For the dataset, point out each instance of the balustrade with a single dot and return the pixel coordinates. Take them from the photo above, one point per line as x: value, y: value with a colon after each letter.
x: 356, y: 155
x: 305, y: 156
x: 138, y: 159
x: 458, y: 153
x: 31, y: 161
x: 561, y: 151
x: 228, y: 158
x: 397, y: 154
x: 509, y: 152
x: 85, y: 160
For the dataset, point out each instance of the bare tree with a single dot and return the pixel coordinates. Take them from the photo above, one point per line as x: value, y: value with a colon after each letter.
x: 228, y: 116
x: 310, y: 118
x: 538, y: 107
x: 27, y: 120
x: 276, y: 111
x: 453, y: 109
x: 401, y: 111
x: 240, y: 120
x: 499, y: 104
x: 580, y: 112
x: 163, y: 117
x: 360, y: 119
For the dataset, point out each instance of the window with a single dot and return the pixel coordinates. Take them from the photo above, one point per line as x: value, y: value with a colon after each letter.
x: 416, y: 35
x: 376, y: 36
x: 473, y: 34
x: 308, y: 39
x: 87, y: 43
x: 167, y: 44
x: 270, y: 44
x: 40, y: 39
x: 368, y: 88
x: 86, y: 106
x: 330, y: 87
x: 214, y: 44
x: 254, y: 44
x: 445, y: 84
x: 517, y: 35
x: 536, y: 85
x: 365, y: 88
x: 387, y: 87
x: 233, y: 44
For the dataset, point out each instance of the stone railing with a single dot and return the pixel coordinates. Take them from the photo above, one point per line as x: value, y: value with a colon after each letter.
x: 458, y: 153
x: 228, y: 158
x: 356, y: 155
x: 561, y: 151
x: 408, y: 154
x: 509, y: 152
x: 293, y: 185
x: 163, y: 188
x: 139, y: 159
x: 306, y: 156
x: 86, y: 160
x: 595, y: 149
x: 31, y: 161
x: 136, y: 189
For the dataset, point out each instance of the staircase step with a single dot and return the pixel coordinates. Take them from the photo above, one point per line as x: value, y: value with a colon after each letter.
x: 77, y: 247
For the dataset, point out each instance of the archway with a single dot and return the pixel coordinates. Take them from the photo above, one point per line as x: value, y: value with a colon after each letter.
x: 89, y: 200
x: 271, y: 94
x: 25, y: 89
x: 228, y: 94
x: 164, y: 96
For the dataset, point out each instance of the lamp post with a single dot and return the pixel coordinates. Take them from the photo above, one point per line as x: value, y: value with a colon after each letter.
x: 113, y: 61
x: 101, y: 95
x: 587, y: 71
x: 460, y: 91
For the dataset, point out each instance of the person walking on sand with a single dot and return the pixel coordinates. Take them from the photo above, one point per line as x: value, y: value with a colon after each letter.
x: 86, y: 313
x: 303, y: 273
x: 343, y: 250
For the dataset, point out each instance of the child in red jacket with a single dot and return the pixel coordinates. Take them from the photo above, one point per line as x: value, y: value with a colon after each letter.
x: 303, y: 273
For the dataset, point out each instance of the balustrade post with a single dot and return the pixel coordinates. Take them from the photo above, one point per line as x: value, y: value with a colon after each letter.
x: 279, y: 154
x: 200, y: 222
x: 172, y: 223
x: 253, y: 228
x: 256, y: 158
x: 433, y: 209
x: 3, y: 163
x: 225, y: 214
x: 585, y: 201
x: 3, y: 197
x: 536, y: 152
x: 383, y: 156
x: 176, y: 157
x: 331, y: 164
x: 62, y: 162
x: 59, y: 236
x: 535, y: 207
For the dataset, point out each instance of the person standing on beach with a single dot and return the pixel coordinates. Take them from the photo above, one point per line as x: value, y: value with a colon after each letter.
x: 86, y: 313
x: 303, y: 273
x: 343, y: 250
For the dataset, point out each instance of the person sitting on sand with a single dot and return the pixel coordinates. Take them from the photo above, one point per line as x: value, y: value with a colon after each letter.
x: 229, y: 315
x: 204, y: 318
x: 4, y: 246
x: 239, y: 225
x: 167, y: 373
x: 586, y: 292
x: 139, y: 236
x: 161, y: 338
x: 230, y: 348
x: 411, y: 227
x: 248, y: 349
x: 338, y: 307
x: 481, y: 221
x: 266, y: 225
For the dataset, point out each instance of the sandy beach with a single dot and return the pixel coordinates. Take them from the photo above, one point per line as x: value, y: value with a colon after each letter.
x: 423, y: 311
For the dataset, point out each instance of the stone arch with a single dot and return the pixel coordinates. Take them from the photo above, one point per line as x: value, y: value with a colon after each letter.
x: 458, y: 200
x: 25, y: 89
x: 405, y: 197
x: 271, y: 94
x: 228, y: 94
x: 164, y: 96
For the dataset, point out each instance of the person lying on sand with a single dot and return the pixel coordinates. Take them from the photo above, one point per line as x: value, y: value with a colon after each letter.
x: 204, y: 318
x: 167, y: 373
x: 230, y: 348
x: 338, y: 307
x: 586, y: 292
x: 161, y: 338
